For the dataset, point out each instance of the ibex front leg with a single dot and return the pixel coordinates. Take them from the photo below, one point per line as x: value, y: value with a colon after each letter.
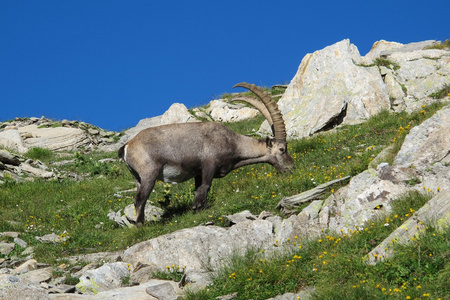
x: 202, y: 185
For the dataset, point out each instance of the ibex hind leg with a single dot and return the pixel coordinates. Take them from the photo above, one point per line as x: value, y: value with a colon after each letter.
x: 143, y: 192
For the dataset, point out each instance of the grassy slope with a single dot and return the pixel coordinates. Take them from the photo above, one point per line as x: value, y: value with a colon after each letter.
x: 78, y: 210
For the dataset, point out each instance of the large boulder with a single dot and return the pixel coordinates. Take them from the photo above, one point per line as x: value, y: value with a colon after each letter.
x: 331, y: 88
x: 11, y: 139
x: 56, y: 139
x: 107, y: 277
x: 177, y: 113
x: 222, y: 111
x: 203, y: 248
x: 427, y: 144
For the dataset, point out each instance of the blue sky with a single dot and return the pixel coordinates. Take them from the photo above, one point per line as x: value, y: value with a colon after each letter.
x: 113, y: 63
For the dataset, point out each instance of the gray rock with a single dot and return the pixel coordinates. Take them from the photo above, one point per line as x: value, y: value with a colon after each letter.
x: 6, y: 248
x: 312, y: 211
x: 122, y: 293
x: 177, y: 113
x: 9, y: 158
x: 27, y: 251
x: 241, y: 217
x: 57, y: 139
x: 366, y: 196
x: 201, y: 248
x: 99, y: 257
x: 222, y: 111
x: 38, y: 275
x: 163, y: 290
x: 93, y: 131
x: 52, y: 238
x: 15, y: 288
x: 27, y: 266
x: 11, y: 139
x: 130, y: 133
x: 107, y: 277
x: 228, y: 297
x: 425, y: 152
x: 380, y: 47
x: 151, y: 214
x: 12, y: 234
x: 304, y: 295
x: 143, y: 273
x: 26, y: 168
x: 427, y: 143
x: 329, y: 89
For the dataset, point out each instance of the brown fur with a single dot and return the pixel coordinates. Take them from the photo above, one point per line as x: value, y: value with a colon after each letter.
x: 179, y: 152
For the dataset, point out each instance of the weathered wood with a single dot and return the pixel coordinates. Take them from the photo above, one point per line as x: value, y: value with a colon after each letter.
x: 287, y: 205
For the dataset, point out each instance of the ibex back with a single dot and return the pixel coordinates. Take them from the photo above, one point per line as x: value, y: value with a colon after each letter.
x: 178, y: 152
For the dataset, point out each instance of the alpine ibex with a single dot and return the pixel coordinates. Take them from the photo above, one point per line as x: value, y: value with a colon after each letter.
x: 203, y: 150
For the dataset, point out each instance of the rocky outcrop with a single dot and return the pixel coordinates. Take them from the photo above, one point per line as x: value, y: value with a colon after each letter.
x: 203, y: 248
x: 330, y: 88
x: 416, y: 73
x: 23, y: 134
x: 336, y: 85
x: 17, y: 168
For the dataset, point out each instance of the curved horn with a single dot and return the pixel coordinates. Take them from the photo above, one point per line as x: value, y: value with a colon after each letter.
x: 279, y: 128
x: 258, y: 105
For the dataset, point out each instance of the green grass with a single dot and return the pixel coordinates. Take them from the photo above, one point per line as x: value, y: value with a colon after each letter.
x: 386, y: 63
x: 78, y: 209
x: 442, y: 93
x: 39, y: 153
x: 445, y: 45
x: 382, y: 62
x: 275, y: 92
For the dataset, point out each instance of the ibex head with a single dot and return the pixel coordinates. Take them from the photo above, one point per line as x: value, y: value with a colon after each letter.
x: 280, y: 158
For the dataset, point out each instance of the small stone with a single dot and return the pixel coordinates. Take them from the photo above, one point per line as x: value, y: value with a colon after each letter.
x: 27, y: 251
x: 163, y: 290
x: 12, y: 234
x: 20, y: 242
x: 51, y: 238
x: 93, y: 131
x: 6, y: 248
x: 27, y: 266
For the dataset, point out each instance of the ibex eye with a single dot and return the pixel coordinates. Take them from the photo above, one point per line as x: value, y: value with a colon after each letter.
x: 282, y: 150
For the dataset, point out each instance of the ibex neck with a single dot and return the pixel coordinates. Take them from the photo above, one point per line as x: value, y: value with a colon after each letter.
x: 251, y: 151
